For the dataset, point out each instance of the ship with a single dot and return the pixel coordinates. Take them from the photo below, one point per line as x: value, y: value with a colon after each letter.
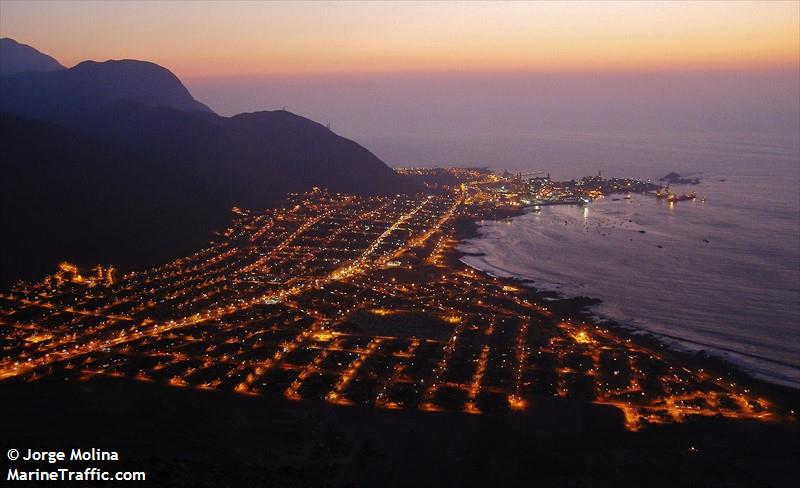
x: 680, y: 198
x: 575, y: 200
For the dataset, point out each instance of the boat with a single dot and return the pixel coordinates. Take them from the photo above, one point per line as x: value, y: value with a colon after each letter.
x: 680, y: 198
x: 575, y: 200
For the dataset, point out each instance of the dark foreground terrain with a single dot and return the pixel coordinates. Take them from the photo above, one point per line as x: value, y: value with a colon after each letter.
x: 186, y: 437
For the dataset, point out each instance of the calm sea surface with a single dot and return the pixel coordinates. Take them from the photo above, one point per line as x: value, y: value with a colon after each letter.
x: 721, y: 275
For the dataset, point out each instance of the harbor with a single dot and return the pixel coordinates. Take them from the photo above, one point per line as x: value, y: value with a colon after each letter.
x: 537, y: 189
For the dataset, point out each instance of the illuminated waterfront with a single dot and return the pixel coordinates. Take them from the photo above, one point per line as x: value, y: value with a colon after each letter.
x: 353, y: 300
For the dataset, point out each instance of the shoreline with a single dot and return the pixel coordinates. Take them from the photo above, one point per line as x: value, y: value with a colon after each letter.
x: 581, y: 305
x: 578, y: 420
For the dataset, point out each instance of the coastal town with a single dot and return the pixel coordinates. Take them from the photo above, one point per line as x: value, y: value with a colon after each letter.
x: 538, y: 189
x: 364, y: 301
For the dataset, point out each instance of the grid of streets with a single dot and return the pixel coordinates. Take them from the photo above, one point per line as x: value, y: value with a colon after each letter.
x: 348, y: 300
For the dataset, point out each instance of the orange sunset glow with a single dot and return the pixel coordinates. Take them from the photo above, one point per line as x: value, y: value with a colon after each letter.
x: 225, y: 39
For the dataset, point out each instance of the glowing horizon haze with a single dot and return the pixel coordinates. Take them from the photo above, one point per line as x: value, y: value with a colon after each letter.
x: 399, y: 76
x: 236, y: 39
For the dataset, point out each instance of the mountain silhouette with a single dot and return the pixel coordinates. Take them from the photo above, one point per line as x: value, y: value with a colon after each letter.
x: 17, y: 58
x: 116, y: 162
x: 61, y: 94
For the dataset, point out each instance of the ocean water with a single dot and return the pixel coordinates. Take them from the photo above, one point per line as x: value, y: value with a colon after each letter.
x: 721, y: 275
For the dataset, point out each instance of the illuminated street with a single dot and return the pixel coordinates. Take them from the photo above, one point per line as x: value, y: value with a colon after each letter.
x: 350, y: 300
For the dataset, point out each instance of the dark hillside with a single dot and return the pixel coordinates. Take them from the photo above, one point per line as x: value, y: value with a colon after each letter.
x: 66, y: 196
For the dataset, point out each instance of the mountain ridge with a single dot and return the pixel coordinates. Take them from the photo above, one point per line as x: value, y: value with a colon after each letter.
x: 92, y: 84
x: 16, y: 57
x: 154, y: 166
